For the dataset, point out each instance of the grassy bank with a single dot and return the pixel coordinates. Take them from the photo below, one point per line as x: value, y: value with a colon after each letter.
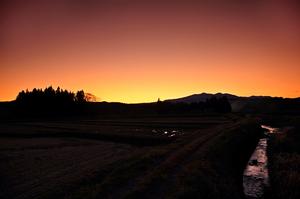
x: 216, y: 170
x: 284, y: 161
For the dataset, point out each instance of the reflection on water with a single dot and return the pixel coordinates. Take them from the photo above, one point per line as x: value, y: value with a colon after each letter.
x: 256, y: 175
x: 270, y: 129
x: 169, y: 133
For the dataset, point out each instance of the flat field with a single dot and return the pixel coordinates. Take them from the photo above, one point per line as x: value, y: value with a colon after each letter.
x: 149, y: 157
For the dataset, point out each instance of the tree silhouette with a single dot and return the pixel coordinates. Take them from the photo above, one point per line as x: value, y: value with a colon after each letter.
x: 213, y: 104
x: 58, y: 101
x: 49, y: 101
x: 50, y: 96
x: 80, y: 97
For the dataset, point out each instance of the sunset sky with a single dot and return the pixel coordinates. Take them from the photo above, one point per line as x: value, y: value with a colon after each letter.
x: 139, y: 51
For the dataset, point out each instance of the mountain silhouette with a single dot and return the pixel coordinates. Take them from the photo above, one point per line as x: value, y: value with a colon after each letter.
x: 202, y: 97
x: 252, y: 104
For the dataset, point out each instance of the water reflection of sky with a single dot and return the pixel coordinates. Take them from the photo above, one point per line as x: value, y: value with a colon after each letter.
x: 270, y: 129
x: 169, y: 133
x: 256, y: 175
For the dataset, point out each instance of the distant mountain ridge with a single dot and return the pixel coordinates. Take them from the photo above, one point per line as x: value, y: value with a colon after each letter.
x: 202, y: 97
x: 250, y: 104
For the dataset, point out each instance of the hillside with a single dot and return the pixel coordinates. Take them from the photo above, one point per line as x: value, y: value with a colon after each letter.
x: 252, y: 104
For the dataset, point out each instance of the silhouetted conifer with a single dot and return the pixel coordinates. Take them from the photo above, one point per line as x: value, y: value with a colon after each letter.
x: 49, y: 101
x: 80, y: 96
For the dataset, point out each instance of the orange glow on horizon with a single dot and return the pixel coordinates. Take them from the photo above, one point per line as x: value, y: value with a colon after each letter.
x: 139, y: 52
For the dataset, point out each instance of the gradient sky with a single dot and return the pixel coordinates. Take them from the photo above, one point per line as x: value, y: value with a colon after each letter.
x: 138, y: 51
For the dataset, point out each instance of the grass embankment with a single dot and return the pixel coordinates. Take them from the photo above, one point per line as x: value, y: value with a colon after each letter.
x: 216, y: 170
x: 207, y: 164
x: 284, y: 161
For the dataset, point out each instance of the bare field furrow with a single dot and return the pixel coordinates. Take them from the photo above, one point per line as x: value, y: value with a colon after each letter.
x: 110, y: 158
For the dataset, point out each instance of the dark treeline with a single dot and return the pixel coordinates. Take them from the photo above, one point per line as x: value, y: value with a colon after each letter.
x: 213, y: 104
x: 49, y: 101
x: 50, y: 96
x: 59, y: 102
x: 271, y: 105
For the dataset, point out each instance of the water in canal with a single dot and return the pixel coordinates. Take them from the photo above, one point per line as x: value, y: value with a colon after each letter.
x: 256, y: 175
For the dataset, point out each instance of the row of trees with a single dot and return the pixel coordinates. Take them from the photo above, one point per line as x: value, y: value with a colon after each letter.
x: 63, y: 102
x: 50, y: 96
x: 50, y: 102
x: 213, y: 104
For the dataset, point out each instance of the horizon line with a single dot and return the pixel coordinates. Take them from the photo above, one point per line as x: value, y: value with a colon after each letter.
x: 225, y: 93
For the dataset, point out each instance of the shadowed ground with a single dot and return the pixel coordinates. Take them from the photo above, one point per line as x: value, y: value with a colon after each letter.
x: 126, y: 157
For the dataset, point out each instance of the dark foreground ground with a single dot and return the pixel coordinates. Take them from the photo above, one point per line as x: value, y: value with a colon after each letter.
x: 165, y: 157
